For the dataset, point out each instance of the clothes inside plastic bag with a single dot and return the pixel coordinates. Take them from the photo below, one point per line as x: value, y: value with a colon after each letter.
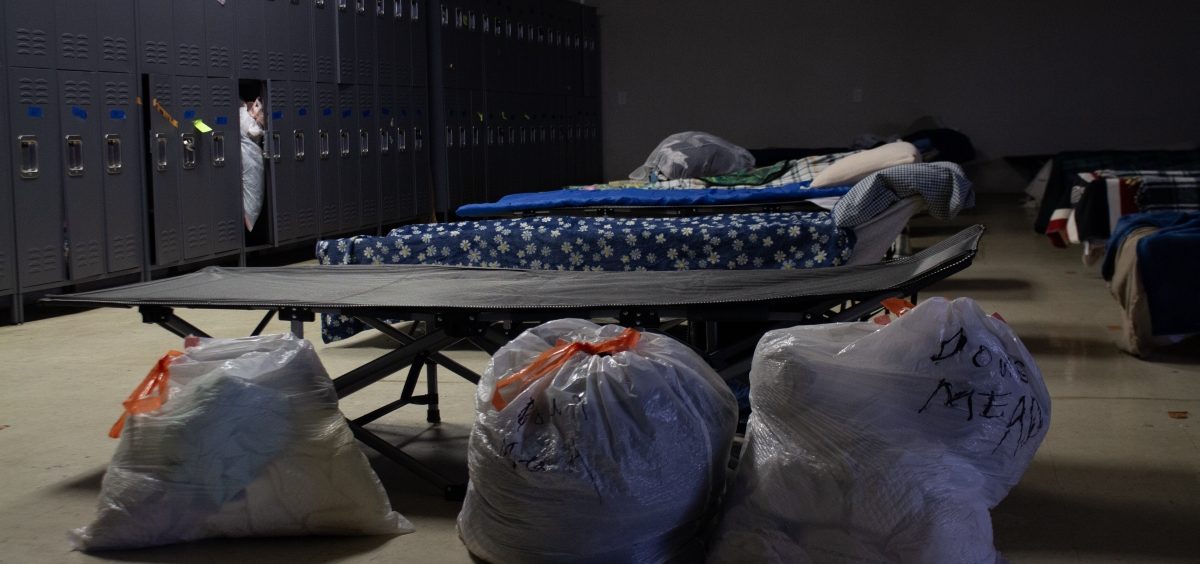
x: 253, y: 172
x: 613, y: 451
x: 693, y: 154
x: 872, y: 443
x: 249, y: 442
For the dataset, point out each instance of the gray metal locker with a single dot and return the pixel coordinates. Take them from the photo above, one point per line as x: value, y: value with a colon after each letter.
x: 368, y: 152
x: 188, y: 34
x: 83, y: 186
x: 164, y: 174
x: 8, y: 274
x: 156, y: 43
x: 385, y: 41
x: 37, y: 176
x: 116, y: 28
x: 403, y: 151
x: 220, y: 38
x: 120, y: 149
x: 301, y: 152
x: 278, y: 45
x: 346, y: 43
x: 281, y: 114
x: 195, y: 195
x: 402, y: 41
x: 325, y: 40
x: 327, y: 159
x: 223, y: 160
x: 422, y: 159
x: 452, y: 198
x: 364, y: 41
x: 75, y: 34
x: 251, y: 39
x: 299, y: 29
x: 419, y: 15
x: 450, y: 20
x: 472, y: 46
x: 347, y: 158
x: 29, y: 34
x: 475, y: 147
x: 385, y: 140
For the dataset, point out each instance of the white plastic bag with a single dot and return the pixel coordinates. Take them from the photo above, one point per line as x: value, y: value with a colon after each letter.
x: 249, y: 442
x: 614, y: 455
x: 693, y: 154
x: 883, y: 444
x: 253, y: 174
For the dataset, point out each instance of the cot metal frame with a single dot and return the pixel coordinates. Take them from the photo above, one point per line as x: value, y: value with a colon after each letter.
x: 724, y: 333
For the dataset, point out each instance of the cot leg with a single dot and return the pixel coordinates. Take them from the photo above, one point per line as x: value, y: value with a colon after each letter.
x: 433, y: 415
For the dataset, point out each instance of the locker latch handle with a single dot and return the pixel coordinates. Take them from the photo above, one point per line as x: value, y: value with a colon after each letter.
x: 398, y: 9
x: 462, y: 137
x: 364, y: 142
x: 380, y: 8
x: 112, y: 154
x: 360, y: 6
x: 475, y: 136
x: 298, y: 141
x: 491, y: 136
x: 385, y: 141
x: 188, y: 141
x: 415, y: 10
x: 74, y: 155
x: 160, y: 152
x: 218, y: 149
x: 449, y: 137
x: 401, y: 140
x: 275, y: 143
x: 323, y: 143
x: 29, y: 155
x: 344, y: 142
x: 343, y: 4
x: 418, y: 139
x: 319, y: 3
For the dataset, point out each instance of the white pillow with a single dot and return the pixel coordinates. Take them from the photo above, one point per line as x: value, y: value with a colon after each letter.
x: 859, y: 165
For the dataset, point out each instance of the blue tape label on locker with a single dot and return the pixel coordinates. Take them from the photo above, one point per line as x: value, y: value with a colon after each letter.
x: 346, y: 113
x: 222, y: 120
x: 78, y: 112
x: 116, y: 114
x: 327, y: 111
x: 302, y: 112
x: 189, y: 114
x: 366, y: 113
x: 276, y: 115
x: 34, y: 111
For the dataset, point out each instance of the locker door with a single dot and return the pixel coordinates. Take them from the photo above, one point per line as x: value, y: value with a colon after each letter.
x: 188, y: 33
x: 278, y: 45
x: 326, y: 149
x: 224, y: 164
x: 75, y: 28
x: 368, y: 153
x: 325, y: 40
x: 448, y: 18
x: 384, y: 139
x: 164, y: 170
x: 385, y: 40
x: 119, y: 146
x: 8, y: 276
x: 195, y: 196
x: 220, y: 35
x: 422, y: 159
x: 475, y: 144
x: 299, y: 32
x: 472, y: 44
x: 346, y: 41
x: 29, y: 34
x: 301, y: 146
x: 36, y: 184
x: 251, y: 25
x: 402, y: 41
x: 116, y: 26
x: 402, y: 127
x: 418, y: 16
x: 454, y: 179
x: 492, y: 46
x: 83, y: 190
x: 281, y: 116
x: 364, y: 41
x: 347, y: 158
x: 591, y: 53
x: 493, y: 151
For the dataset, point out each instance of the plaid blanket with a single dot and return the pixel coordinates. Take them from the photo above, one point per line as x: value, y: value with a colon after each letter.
x: 796, y: 171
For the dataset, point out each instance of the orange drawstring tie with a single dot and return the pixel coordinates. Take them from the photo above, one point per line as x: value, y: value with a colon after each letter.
x: 553, y: 359
x: 149, y: 395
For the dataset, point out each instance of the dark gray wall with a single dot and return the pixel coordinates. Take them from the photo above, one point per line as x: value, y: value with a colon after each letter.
x: 1036, y: 77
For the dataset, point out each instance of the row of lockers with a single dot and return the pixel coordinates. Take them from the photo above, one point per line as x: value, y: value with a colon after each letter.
x: 530, y: 46
x: 348, y: 41
x: 503, y: 143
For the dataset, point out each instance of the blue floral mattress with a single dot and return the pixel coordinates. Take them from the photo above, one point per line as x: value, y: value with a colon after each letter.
x: 732, y: 241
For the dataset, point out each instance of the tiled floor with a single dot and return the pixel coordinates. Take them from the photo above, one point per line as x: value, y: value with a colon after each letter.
x: 1116, y: 479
